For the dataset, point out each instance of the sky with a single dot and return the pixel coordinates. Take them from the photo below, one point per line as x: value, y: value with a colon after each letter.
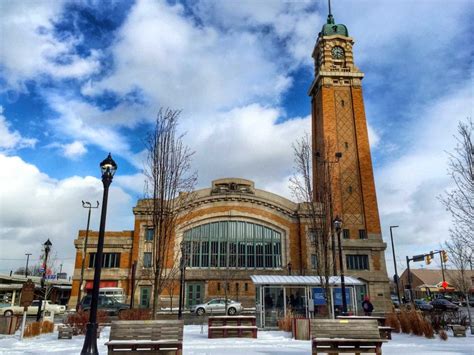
x: 80, y: 79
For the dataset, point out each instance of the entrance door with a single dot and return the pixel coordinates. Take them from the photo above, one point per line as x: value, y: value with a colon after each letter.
x: 145, y: 293
x: 194, y: 293
x: 273, y: 305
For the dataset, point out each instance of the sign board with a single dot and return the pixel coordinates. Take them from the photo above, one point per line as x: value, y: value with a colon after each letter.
x: 50, y: 277
x: 419, y: 257
x: 338, y: 296
x: 318, y: 296
x: 27, y: 293
x: 61, y: 276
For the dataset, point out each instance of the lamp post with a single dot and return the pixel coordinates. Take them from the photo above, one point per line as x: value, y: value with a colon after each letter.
x: 338, y: 227
x: 395, y: 265
x: 47, y: 248
x: 181, y: 281
x: 27, y: 260
x: 108, y: 168
x: 89, y: 206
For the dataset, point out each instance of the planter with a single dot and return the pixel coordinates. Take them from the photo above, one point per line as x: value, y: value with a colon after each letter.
x: 300, y: 328
x: 9, y: 324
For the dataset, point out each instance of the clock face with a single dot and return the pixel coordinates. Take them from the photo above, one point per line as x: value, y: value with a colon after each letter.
x: 337, y: 52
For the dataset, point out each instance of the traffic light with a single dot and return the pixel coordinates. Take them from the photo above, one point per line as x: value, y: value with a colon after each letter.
x: 444, y: 256
x: 428, y: 259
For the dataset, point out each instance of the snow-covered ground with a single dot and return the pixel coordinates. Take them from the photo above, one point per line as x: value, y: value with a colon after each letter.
x: 268, y: 342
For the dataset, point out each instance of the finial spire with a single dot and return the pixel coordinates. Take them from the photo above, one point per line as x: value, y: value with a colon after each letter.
x: 330, y: 17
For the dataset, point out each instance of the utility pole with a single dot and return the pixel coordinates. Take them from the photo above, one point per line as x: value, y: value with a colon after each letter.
x: 89, y: 206
x: 27, y: 259
x: 395, y: 265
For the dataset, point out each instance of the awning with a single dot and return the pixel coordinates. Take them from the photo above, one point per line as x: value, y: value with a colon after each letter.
x: 302, y: 280
x: 10, y: 286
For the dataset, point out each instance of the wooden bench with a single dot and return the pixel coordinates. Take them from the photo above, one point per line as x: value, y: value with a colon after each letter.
x: 385, y: 332
x: 146, y: 336
x: 232, y: 327
x: 458, y: 330
x: 380, y: 319
x: 65, y: 332
x: 345, y: 336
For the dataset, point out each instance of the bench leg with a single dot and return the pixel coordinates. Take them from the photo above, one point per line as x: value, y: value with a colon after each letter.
x: 378, y: 349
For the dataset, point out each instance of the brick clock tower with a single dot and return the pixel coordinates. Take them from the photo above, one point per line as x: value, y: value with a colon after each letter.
x: 339, y: 125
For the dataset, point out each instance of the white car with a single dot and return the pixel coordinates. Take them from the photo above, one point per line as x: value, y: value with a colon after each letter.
x: 33, y: 309
x: 217, y: 305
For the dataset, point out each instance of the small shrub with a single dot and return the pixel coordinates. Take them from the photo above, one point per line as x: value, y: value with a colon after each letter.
x: 443, y: 335
x: 405, y: 325
x: 415, y: 322
x: 428, y: 330
x: 47, y: 327
x: 392, y: 321
x: 80, y: 319
x: 135, y: 314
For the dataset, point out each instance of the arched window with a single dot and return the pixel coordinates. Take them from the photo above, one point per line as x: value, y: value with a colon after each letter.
x: 233, y: 244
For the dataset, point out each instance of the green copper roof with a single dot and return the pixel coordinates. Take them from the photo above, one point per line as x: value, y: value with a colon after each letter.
x: 330, y: 28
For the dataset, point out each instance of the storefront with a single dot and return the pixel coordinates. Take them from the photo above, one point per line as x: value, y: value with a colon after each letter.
x: 301, y: 296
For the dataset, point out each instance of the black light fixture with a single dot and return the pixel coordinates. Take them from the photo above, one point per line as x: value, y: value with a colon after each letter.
x: 289, y: 268
x: 47, y: 248
x: 108, y: 168
x: 338, y: 227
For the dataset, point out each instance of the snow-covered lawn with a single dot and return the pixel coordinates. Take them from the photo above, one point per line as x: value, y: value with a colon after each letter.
x: 268, y: 342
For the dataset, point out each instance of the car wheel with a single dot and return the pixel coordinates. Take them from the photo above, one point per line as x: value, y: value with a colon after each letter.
x: 231, y: 311
x: 8, y: 313
x: 200, y: 311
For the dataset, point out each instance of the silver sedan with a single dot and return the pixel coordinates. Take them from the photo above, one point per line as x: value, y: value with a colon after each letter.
x: 217, y: 305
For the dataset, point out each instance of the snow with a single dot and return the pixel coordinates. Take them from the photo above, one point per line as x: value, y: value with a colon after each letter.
x: 268, y: 342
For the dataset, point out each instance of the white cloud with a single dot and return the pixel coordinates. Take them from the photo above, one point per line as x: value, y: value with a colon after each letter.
x: 29, y: 47
x: 176, y: 63
x: 74, y: 150
x: 12, y: 139
x: 247, y: 142
x: 408, y: 186
x: 35, y: 207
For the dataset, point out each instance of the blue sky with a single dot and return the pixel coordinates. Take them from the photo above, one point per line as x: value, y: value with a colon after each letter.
x: 81, y: 78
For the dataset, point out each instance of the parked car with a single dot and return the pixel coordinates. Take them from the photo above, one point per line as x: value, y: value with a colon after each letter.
x: 115, y: 292
x: 217, y: 305
x: 33, y: 309
x: 444, y: 305
x: 108, y: 304
x: 422, y: 305
x: 395, y: 302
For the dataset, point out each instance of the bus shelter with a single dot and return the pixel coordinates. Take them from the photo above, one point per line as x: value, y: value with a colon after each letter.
x: 301, y: 296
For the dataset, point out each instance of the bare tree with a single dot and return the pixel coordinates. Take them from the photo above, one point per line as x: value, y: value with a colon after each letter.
x: 318, y: 205
x: 459, y: 201
x: 460, y: 256
x: 171, y: 184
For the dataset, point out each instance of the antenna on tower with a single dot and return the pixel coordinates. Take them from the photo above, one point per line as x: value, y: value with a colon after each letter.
x: 329, y: 6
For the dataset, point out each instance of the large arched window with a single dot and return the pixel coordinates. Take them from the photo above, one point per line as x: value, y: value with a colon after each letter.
x: 233, y: 244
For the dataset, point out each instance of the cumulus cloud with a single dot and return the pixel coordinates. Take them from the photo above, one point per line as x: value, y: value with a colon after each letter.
x: 74, y: 149
x: 177, y: 63
x: 408, y: 186
x: 12, y: 139
x: 247, y: 142
x: 30, y: 47
x: 35, y: 207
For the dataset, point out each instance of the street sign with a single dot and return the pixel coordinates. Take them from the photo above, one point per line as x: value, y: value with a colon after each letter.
x: 419, y: 257
x: 27, y: 293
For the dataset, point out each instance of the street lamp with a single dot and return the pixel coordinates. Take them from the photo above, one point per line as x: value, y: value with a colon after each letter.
x: 181, y: 281
x: 47, y: 248
x: 395, y: 266
x: 338, y: 227
x: 108, y: 168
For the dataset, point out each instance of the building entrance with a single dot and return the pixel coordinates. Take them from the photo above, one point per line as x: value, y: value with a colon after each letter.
x: 194, y: 293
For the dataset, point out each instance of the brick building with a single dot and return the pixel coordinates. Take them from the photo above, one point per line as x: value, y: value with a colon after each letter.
x: 236, y: 230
